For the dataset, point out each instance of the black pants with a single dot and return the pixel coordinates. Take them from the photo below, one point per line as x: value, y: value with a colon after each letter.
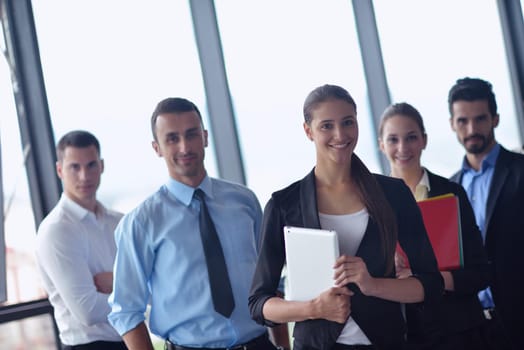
x: 470, y: 339
x: 98, y: 345
x: 494, y: 333
x: 488, y: 336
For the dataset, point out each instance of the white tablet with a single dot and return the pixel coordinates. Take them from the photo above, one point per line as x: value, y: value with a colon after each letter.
x: 310, y: 256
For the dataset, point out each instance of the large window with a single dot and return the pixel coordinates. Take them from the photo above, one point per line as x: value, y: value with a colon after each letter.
x: 276, y: 52
x: 19, y: 281
x: 22, y: 284
x: 427, y: 46
x: 106, y: 64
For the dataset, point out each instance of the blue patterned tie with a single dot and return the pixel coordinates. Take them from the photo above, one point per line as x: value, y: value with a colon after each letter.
x: 221, y: 291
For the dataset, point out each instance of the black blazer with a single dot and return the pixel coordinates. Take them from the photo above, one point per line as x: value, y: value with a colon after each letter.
x: 379, y: 319
x: 505, y: 240
x: 459, y: 310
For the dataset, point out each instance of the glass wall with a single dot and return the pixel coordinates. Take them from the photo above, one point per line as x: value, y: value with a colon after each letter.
x: 21, y: 275
x: 276, y: 52
x: 106, y: 65
x: 105, y: 70
x: 18, y: 216
x: 424, y: 54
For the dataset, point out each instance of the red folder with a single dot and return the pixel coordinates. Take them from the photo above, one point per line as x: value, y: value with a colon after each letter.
x: 441, y: 217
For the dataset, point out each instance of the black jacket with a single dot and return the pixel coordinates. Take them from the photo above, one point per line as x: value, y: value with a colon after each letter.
x: 504, y: 243
x: 379, y: 319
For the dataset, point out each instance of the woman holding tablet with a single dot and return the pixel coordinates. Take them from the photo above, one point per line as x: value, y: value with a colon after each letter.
x: 457, y: 322
x: 370, y: 213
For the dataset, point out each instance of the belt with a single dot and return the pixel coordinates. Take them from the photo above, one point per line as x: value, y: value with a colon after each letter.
x: 250, y: 345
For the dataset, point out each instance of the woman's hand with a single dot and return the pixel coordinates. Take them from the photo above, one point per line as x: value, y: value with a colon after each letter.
x: 401, y: 266
x: 352, y: 269
x: 334, y: 304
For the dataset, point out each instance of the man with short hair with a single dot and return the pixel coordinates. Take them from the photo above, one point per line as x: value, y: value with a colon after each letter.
x: 167, y: 255
x: 75, y: 248
x: 493, y: 178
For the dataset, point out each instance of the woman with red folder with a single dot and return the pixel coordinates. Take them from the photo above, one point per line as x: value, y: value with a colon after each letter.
x: 455, y: 323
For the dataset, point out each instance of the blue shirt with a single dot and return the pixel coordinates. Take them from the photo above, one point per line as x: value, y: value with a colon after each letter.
x: 477, y: 185
x: 160, y: 260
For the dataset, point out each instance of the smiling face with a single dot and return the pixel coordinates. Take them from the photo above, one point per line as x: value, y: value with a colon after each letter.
x: 474, y: 125
x: 402, y: 141
x: 181, y: 141
x: 80, y: 170
x: 334, y: 130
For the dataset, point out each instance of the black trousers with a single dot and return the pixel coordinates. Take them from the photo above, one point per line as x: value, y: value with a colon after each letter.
x: 494, y: 333
x: 490, y: 335
x: 98, y: 345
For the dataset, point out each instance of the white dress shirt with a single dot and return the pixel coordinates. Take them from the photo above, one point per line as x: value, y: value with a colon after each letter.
x: 73, y: 244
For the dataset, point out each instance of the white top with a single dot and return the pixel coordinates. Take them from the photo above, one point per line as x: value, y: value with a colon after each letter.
x: 423, y: 187
x: 350, y: 229
x: 73, y: 244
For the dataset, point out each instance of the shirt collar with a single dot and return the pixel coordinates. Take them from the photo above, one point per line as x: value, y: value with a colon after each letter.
x: 184, y: 193
x: 424, y: 180
x: 488, y: 161
x: 79, y: 211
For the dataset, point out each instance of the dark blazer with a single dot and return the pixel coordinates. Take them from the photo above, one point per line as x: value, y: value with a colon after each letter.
x: 505, y: 240
x: 459, y: 310
x: 380, y: 320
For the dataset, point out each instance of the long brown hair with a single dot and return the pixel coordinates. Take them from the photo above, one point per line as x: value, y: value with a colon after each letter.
x: 372, y: 194
x: 378, y: 207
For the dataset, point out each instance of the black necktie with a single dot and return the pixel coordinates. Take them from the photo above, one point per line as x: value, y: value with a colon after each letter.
x: 221, y: 291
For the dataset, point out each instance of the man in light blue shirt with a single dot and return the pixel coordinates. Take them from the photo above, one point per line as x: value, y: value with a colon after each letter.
x: 493, y: 178
x: 160, y: 257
